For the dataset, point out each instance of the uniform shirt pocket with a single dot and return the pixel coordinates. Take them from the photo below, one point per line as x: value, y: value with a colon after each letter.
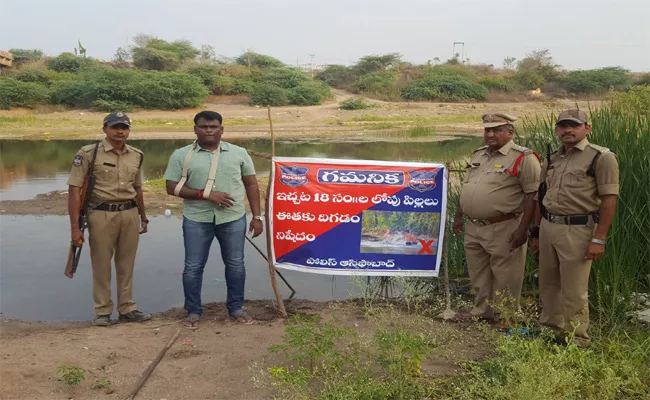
x: 131, y: 172
x: 498, y: 175
x: 105, y: 173
x: 576, y: 179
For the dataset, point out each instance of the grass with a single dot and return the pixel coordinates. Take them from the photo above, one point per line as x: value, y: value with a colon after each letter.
x: 19, y: 125
x: 70, y: 374
x: 625, y: 268
x: 435, y: 119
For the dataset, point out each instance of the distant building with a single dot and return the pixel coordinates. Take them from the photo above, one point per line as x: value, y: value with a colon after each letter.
x: 6, y: 59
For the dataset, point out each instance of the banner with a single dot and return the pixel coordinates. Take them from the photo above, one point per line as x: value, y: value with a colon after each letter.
x: 351, y: 217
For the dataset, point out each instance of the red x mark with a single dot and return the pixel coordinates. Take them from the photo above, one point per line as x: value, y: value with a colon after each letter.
x: 426, y: 246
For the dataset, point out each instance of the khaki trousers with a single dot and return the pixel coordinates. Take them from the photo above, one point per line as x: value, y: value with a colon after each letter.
x: 497, y: 273
x: 113, y: 233
x: 564, y: 277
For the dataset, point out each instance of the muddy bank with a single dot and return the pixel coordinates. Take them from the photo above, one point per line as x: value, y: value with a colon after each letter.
x: 220, y: 360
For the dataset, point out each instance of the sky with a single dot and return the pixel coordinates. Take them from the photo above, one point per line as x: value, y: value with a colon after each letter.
x: 581, y: 34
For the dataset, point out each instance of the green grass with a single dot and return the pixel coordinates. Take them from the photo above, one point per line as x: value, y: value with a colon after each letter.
x: 421, y: 131
x: 625, y: 268
x: 435, y: 119
x: 71, y: 374
x: 18, y: 125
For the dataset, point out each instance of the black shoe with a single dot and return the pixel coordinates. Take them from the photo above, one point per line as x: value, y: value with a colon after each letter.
x: 135, y: 316
x: 102, y: 320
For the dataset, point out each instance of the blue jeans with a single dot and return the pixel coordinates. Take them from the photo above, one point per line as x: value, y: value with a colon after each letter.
x: 198, y: 237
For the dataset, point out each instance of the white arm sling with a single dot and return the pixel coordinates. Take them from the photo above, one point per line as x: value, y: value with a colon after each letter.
x: 211, y: 175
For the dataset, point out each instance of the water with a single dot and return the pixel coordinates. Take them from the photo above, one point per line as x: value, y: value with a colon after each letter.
x: 33, y: 249
x: 31, y: 167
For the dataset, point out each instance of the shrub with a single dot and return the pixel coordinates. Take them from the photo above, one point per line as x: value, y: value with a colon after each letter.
x: 162, y: 90
x: 286, y: 78
x: 338, y: 76
x: 42, y: 76
x: 15, y: 93
x: 529, y: 79
x: 208, y: 74
x: 111, y: 105
x: 309, y: 94
x: 235, y: 70
x: 160, y: 55
x: 596, y: 80
x: 444, y: 88
x: 254, y: 60
x: 72, y: 375
x: 68, y: 62
x: 355, y: 103
x: 24, y: 55
x: 500, y: 83
x: 265, y: 94
x: 378, y: 83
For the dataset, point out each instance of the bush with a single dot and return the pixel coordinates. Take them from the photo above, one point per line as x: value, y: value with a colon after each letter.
x: 500, y: 83
x: 265, y: 94
x: 15, y: 93
x: 285, y: 78
x: 378, y: 83
x: 309, y: 94
x: 596, y: 80
x: 110, y: 106
x: 338, y: 76
x: 68, y: 62
x: 355, y: 103
x: 208, y: 74
x: 444, y: 88
x: 529, y: 79
x: 255, y: 60
x: 160, y: 55
x: 42, y: 76
x: 162, y: 90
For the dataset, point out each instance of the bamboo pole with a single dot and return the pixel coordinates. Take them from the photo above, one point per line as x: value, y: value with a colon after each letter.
x: 267, y: 217
x: 449, y: 313
x: 147, y: 373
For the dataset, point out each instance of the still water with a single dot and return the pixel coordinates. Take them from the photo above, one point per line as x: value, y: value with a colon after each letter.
x: 28, y: 168
x: 33, y: 249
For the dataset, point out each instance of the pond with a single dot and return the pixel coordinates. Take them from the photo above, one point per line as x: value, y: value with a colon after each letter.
x: 33, y: 249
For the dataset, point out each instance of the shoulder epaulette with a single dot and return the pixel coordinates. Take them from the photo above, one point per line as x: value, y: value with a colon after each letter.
x: 481, y: 148
x: 128, y: 146
x: 599, y: 149
x: 522, y: 149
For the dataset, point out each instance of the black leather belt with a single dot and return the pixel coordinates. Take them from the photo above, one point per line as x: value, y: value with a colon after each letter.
x: 570, y: 219
x: 117, y: 206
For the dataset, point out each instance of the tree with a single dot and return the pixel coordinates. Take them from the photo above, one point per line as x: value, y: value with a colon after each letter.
x: 25, y: 55
x: 375, y: 63
x: 122, y: 55
x: 160, y: 55
x: 207, y: 53
x: 251, y: 59
x: 509, y: 62
x: 540, y: 62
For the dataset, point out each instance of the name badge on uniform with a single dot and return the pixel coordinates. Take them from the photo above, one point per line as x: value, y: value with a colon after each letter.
x: 77, y: 160
x: 498, y: 166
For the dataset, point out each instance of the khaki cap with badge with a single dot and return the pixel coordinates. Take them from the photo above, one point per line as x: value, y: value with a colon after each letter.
x: 494, y: 120
x: 575, y: 115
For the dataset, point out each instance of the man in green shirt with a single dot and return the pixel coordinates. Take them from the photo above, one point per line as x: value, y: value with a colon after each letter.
x: 213, y: 176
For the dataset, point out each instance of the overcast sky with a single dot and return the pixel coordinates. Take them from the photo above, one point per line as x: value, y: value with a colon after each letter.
x: 581, y: 34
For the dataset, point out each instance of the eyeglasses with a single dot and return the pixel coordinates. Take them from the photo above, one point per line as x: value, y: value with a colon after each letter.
x: 207, y: 127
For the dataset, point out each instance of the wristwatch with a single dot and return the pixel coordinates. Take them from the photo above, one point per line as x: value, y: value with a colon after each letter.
x: 533, y: 232
x: 258, y: 217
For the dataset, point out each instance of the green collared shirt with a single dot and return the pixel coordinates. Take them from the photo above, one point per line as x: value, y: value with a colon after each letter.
x: 234, y: 163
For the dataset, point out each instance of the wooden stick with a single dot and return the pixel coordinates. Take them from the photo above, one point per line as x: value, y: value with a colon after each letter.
x: 267, y: 217
x: 149, y: 370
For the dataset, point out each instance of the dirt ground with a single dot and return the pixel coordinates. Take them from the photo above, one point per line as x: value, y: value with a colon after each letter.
x: 217, y: 361
x: 244, y: 121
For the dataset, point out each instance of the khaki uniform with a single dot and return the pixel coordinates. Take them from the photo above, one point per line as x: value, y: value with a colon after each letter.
x: 111, y: 233
x: 494, y: 188
x: 563, y: 271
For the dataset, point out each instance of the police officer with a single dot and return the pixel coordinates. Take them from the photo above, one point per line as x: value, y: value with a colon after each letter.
x: 578, y: 209
x: 498, y: 200
x: 116, y: 216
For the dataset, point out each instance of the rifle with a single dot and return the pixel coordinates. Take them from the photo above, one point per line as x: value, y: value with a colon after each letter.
x: 86, y: 192
x: 542, y: 185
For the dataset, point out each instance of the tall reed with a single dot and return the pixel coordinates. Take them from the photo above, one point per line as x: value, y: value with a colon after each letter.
x: 624, y: 130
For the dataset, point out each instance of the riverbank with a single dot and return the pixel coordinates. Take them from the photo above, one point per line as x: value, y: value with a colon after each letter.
x: 222, y: 359
x: 246, y: 122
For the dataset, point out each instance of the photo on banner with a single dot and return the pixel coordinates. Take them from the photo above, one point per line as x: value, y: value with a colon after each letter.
x: 357, y: 217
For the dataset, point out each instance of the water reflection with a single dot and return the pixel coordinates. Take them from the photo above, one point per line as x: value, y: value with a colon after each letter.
x: 32, y: 284
x: 30, y: 167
